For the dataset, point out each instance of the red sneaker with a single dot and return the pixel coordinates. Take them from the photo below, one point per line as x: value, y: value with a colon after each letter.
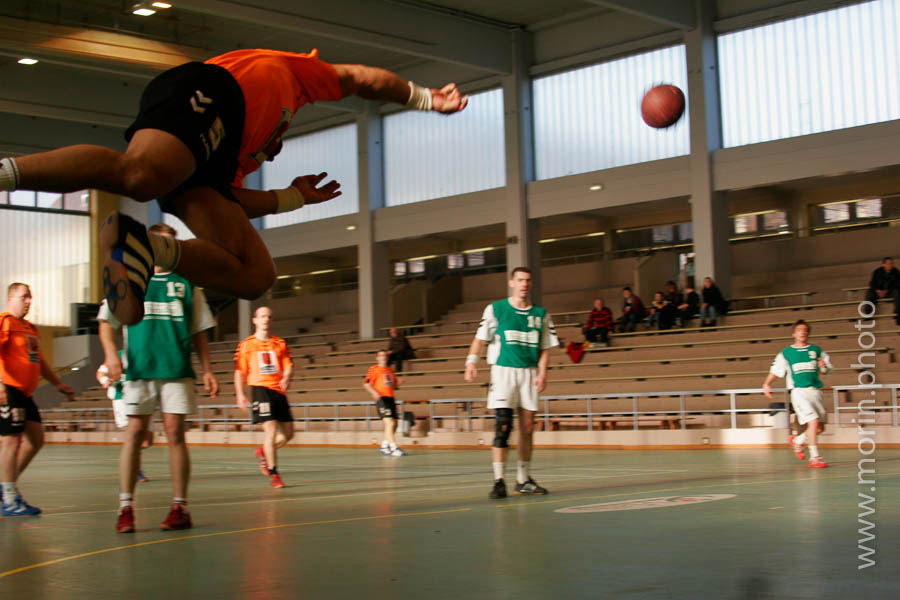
x: 816, y: 463
x: 125, y: 523
x: 263, y: 465
x: 275, y: 481
x: 178, y: 518
x: 797, y: 448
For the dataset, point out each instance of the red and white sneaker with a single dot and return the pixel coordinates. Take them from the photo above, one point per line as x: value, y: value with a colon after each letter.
x: 275, y: 481
x: 797, y: 448
x: 263, y: 465
x: 816, y: 462
x: 125, y: 522
x: 178, y: 518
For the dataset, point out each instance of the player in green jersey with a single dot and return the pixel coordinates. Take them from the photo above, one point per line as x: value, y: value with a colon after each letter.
x: 800, y: 364
x: 518, y: 336
x: 159, y: 374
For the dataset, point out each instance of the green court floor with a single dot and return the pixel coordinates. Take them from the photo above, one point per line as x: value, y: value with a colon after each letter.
x: 354, y: 524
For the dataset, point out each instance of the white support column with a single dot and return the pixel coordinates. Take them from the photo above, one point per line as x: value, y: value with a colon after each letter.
x: 709, y: 209
x: 374, y: 261
x: 245, y: 314
x: 522, y: 243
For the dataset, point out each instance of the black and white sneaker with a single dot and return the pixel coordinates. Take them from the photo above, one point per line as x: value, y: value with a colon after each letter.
x: 128, y: 266
x: 499, y: 490
x: 530, y: 487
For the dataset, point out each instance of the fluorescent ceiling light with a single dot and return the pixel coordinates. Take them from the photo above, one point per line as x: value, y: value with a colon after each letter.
x: 28, y: 61
x: 161, y: 5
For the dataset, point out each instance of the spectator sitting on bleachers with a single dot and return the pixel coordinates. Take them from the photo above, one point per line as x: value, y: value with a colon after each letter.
x: 672, y: 299
x: 655, y: 310
x: 714, y: 303
x: 632, y: 310
x: 399, y: 349
x: 599, y: 324
x: 689, y: 308
x: 885, y: 283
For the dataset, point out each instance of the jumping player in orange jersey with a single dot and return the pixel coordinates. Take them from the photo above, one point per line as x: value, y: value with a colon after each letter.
x: 264, y: 362
x: 201, y: 128
x: 21, y: 364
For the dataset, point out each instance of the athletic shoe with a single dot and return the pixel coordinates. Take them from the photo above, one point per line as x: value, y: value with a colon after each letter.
x: 263, y: 465
x: 125, y: 523
x: 396, y: 452
x: 128, y: 266
x: 20, y: 508
x: 530, y: 487
x: 141, y: 477
x: 385, y: 450
x: 499, y: 490
x: 275, y: 481
x: 816, y: 463
x: 178, y: 518
x: 797, y: 448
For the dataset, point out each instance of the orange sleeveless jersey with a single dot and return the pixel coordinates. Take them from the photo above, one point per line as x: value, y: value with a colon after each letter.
x: 275, y: 85
x: 382, y: 379
x: 20, y: 353
x: 263, y: 363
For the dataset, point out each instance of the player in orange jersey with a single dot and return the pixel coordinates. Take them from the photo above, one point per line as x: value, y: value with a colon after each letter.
x: 201, y: 128
x: 381, y: 382
x: 264, y: 362
x: 21, y: 364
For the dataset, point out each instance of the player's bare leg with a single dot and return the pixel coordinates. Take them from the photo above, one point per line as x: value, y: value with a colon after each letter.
x: 524, y: 483
x: 32, y: 442
x: 130, y: 456
x: 813, y: 428
x: 179, y: 457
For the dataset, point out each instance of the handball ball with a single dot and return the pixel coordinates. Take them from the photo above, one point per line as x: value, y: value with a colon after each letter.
x: 662, y: 106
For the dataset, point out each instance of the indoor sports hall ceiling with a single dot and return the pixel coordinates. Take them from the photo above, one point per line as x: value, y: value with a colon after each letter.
x: 95, y: 56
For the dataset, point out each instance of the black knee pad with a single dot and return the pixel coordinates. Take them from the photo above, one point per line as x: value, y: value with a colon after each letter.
x: 503, y: 426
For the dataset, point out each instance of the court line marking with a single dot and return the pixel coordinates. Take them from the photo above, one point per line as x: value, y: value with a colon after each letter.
x: 219, y: 533
x: 403, y: 491
x: 678, y: 489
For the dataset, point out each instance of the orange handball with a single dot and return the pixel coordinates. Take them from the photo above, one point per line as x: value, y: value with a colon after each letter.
x: 662, y: 106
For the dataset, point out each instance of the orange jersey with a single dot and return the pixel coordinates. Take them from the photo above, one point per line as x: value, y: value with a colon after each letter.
x: 20, y: 353
x: 382, y: 379
x: 275, y: 85
x: 263, y: 363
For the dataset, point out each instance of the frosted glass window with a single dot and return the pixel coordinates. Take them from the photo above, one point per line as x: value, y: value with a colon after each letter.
x: 21, y: 198
x: 429, y: 156
x: 456, y: 261
x: 332, y: 151
x: 835, y: 213
x: 815, y: 73
x: 399, y: 269
x: 416, y: 266
x: 775, y: 220
x: 49, y: 200
x: 662, y: 234
x: 51, y: 253
x: 589, y: 119
x: 868, y: 209
x: 475, y: 259
x: 745, y: 224
x: 685, y: 232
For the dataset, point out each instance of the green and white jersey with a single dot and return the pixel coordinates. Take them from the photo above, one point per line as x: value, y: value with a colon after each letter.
x: 800, y: 366
x: 159, y: 347
x: 516, y: 336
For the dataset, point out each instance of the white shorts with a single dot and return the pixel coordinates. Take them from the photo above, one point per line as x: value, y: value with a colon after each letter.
x: 807, y: 403
x: 513, y: 387
x: 145, y: 396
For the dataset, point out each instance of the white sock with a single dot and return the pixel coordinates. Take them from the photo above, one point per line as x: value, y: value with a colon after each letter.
x: 9, y: 492
x: 393, y: 447
x: 166, y: 251
x: 499, y: 468
x: 180, y: 500
x: 522, y: 474
x: 384, y: 444
x: 813, y: 451
x: 9, y: 174
x: 125, y: 499
x: 800, y: 439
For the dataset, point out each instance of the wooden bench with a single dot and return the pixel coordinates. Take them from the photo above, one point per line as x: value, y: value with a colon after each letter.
x: 611, y: 423
x: 851, y: 291
x: 767, y: 298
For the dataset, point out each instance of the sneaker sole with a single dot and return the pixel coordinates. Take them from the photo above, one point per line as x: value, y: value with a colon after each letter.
x: 176, y: 528
x: 116, y: 286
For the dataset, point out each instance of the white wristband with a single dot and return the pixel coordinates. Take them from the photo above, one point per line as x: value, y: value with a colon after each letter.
x: 289, y: 199
x: 472, y: 359
x: 419, y: 97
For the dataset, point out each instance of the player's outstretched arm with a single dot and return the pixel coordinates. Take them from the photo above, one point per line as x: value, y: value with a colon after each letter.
x: 374, y: 83
x: 107, y: 335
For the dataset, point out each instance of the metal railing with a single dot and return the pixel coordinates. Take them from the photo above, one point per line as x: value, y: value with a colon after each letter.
x: 232, y: 418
